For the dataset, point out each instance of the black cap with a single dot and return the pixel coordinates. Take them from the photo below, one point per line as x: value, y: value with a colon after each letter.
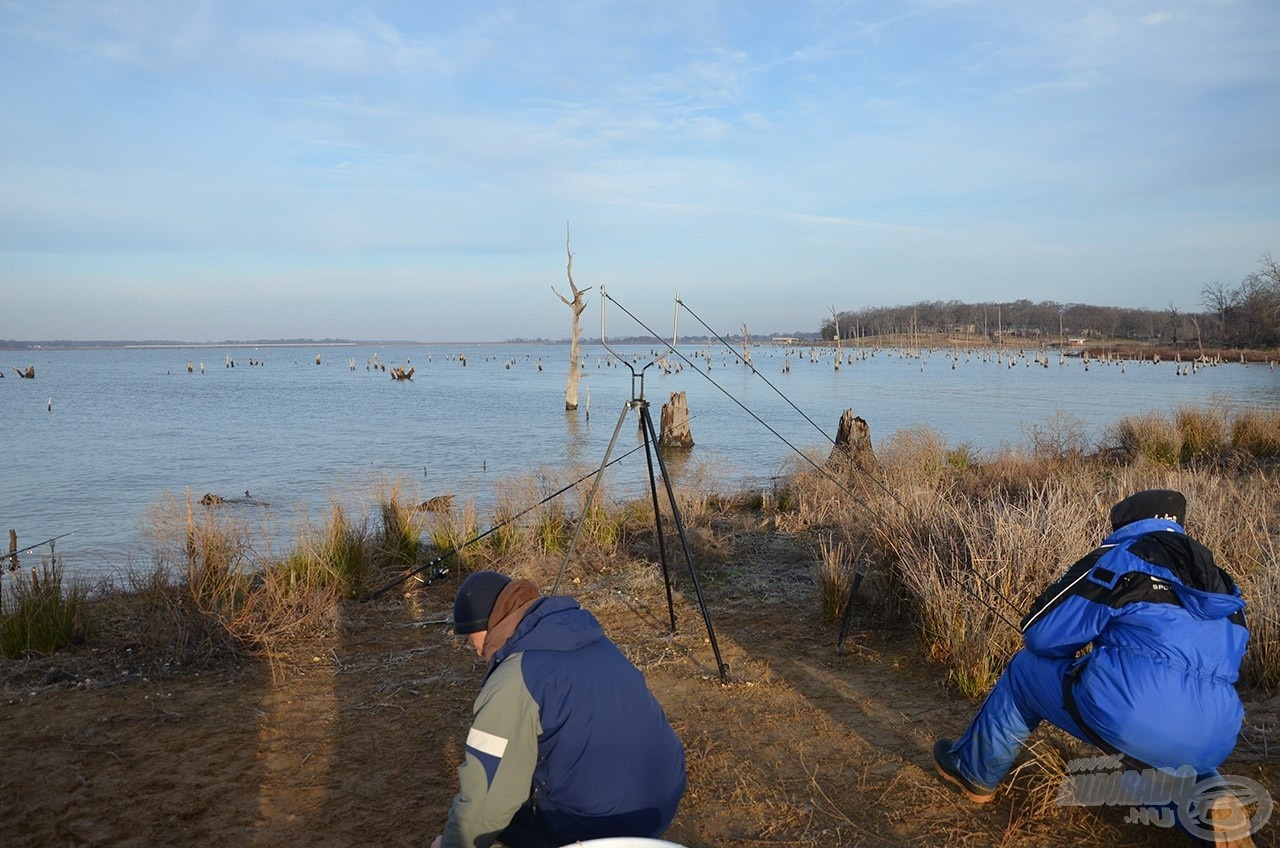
x: 1152, y: 503
x: 475, y: 600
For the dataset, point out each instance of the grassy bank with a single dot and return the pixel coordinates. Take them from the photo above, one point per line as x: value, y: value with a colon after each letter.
x: 952, y: 542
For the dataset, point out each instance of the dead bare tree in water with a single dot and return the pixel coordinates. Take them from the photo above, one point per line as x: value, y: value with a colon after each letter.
x: 577, y: 305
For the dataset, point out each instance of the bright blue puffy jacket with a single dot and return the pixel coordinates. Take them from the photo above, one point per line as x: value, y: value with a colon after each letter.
x: 1168, y: 633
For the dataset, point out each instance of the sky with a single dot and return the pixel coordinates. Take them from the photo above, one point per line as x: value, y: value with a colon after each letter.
x: 203, y: 170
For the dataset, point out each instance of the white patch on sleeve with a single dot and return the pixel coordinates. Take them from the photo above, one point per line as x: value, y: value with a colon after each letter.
x: 486, y: 743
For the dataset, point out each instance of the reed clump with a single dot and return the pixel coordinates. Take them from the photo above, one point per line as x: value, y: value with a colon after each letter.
x: 341, y: 553
x: 41, y: 612
x: 1256, y: 433
x: 1151, y: 437
x: 1203, y: 432
x: 833, y: 574
x: 451, y: 534
x: 1198, y: 435
x: 399, y: 533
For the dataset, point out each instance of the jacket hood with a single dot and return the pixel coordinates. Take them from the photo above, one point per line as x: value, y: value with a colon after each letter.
x: 1208, y: 605
x: 556, y: 623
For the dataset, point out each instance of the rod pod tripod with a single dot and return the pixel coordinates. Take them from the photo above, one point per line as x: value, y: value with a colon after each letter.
x: 651, y: 452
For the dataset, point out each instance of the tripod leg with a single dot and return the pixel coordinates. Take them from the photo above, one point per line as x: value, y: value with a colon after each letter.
x: 586, y: 508
x: 649, y: 448
x: 721, y: 668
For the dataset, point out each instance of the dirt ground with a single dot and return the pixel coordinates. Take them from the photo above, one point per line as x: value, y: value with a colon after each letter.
x: 355, y: 740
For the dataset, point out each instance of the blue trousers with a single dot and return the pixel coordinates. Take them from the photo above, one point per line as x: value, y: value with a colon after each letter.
x: 1029, y: 692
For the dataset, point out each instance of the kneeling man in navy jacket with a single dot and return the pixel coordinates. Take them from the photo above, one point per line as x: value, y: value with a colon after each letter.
x: 567, y: 743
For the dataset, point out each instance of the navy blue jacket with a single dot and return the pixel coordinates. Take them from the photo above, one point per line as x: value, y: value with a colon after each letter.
x: 1168, y: 633
x: 566, y: 721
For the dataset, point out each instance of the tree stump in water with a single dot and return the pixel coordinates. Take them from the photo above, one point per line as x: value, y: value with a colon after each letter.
x: 675, y: 432
x: 853, y: 445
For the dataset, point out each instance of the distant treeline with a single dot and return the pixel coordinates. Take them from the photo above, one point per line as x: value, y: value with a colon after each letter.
x: 1242, y: 316
x: 96, y: 344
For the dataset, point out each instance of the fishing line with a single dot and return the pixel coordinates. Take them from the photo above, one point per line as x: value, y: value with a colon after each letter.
x: 891, y: 494
x: 413, y: 572
x: 820, y: 469
x: 747, y: 361
x: 760, y: 420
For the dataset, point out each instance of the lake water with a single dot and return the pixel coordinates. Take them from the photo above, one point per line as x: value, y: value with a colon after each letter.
x: 128, y: 425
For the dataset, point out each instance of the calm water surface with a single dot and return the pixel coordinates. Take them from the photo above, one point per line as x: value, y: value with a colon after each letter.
x: 129, y: 425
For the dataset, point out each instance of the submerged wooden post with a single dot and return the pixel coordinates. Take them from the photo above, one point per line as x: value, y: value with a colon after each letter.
x: 675, y: 423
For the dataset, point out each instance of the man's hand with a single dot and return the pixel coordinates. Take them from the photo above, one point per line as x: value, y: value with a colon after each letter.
x: 439, y: 839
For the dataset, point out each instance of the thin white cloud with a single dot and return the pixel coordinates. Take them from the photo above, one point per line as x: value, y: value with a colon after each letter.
x: 703, y: 143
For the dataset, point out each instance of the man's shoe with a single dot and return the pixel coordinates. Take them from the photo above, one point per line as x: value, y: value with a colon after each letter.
x: 1230, y: 822
x: 945, y: 763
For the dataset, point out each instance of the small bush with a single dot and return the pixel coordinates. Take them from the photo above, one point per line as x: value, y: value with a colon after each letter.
x: 961, y: 458
x: 604, y: 526
x: 454, y: 531
x: 1059, y: 438
x: 154, y: 616
x: 917, y: 454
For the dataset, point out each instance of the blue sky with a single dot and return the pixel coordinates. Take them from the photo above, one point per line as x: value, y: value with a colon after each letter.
x: 406, y: 170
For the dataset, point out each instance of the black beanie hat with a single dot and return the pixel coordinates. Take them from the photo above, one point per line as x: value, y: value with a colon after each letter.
x: 1153, y: 503
x: 475, y: 601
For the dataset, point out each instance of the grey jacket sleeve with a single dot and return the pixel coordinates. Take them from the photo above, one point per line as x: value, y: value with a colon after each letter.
x: 496, y: 775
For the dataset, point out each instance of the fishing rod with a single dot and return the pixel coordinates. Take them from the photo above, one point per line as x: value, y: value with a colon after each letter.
x: 31, y: 548
x: 820, y: 469
x: 440, y: 572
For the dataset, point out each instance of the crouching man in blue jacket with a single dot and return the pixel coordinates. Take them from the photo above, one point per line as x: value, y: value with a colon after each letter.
x: 1158, y: 687
x: 567, y: 743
